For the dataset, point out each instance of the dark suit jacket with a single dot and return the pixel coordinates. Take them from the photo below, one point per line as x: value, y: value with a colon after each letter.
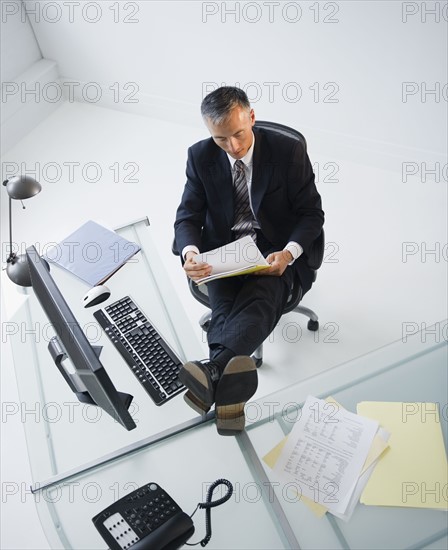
x: 283, y: 193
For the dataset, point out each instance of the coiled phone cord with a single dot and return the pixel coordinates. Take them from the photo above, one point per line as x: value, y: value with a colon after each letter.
x: 208, y: 505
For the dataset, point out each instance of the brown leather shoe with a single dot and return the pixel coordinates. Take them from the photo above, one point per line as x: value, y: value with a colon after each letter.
x: 201, y: 379
x: 238, y: 383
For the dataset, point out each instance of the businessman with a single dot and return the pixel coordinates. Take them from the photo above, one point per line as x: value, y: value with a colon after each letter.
x: 243, y: 181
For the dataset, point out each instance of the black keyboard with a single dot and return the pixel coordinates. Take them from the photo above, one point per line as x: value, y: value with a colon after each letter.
x: 146, y: 519
x: 150, y: 358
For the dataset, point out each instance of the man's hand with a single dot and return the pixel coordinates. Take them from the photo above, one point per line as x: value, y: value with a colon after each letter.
x: 195, y: 270
x: 279, y: 262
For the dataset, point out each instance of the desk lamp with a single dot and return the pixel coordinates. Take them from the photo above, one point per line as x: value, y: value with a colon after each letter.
x: 19, y: 188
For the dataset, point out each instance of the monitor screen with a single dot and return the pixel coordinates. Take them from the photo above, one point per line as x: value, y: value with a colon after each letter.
x: 89, y: 381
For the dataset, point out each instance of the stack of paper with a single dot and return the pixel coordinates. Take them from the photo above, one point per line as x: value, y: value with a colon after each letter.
x: 239, y: 257
x: 329, y: 456
x: 391, y: 455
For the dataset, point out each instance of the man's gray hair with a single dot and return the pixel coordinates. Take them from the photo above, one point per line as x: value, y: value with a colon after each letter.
x: 218, y: 104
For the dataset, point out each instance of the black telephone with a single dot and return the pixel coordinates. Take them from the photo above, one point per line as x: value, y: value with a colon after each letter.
x: 149, y: 519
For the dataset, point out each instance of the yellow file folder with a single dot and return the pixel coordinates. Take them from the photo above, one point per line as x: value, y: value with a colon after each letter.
x: 413, y: 470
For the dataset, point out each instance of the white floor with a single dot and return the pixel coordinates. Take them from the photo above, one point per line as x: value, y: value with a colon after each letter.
x: 379, y: 278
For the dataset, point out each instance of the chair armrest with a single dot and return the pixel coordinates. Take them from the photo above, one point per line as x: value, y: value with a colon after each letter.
x: 199, y: 292
x: 316, y: 255
x: 174, y: 248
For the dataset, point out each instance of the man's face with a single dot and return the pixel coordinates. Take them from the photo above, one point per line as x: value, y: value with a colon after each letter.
x: 234, y: 135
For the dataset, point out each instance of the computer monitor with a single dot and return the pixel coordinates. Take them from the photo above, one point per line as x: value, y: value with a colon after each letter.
x: 89, y: 381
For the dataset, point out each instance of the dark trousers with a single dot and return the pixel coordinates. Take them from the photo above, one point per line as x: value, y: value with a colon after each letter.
x: 246, y: 309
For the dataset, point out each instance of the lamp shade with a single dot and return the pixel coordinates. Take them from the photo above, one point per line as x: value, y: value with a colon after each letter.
x: 18, y: 271
x: 22, y: 187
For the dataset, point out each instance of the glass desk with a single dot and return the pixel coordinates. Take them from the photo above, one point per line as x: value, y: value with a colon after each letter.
x: 190, y: 457
x: 81, y: 461
x: 414, y: 371
x: 62, y: 433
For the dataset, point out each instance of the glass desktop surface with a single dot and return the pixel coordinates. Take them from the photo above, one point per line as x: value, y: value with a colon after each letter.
x: 61, y: 432
x: 259, y: 516
x: 412, y: 371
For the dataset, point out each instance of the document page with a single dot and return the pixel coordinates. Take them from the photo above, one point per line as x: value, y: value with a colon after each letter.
x: 325, y: 453
x: 236, y: 258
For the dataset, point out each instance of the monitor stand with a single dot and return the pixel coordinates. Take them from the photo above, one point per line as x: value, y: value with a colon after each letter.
x: 75, y: 383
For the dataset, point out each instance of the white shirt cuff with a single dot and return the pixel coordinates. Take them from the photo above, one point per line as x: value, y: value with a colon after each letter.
x: 190, y: 248
x: 295, y: 249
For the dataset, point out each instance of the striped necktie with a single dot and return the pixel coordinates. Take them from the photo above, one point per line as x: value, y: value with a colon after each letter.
x: 243, y: 217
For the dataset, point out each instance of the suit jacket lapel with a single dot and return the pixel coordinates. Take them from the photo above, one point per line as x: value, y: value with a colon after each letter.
x: 218, y: 175
x: 262, y: 170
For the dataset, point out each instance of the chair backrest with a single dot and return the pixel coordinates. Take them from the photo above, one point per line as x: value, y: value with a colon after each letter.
x: 316, y: 255
x: 281, y: 129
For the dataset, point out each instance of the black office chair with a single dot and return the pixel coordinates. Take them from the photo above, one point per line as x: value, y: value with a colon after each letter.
x: 314, y: 262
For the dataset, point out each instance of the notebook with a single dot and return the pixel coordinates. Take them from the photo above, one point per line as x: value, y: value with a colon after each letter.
x: 93, y: 253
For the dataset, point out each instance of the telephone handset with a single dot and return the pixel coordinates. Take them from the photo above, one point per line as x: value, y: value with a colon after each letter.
x: 149, y: 519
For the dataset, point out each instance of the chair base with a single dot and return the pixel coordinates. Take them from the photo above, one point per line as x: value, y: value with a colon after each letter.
x: 204, y: 321
x: 313, y: 323
x: 257, y: 356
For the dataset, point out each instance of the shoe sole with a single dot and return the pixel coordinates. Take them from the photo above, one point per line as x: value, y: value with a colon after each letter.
x: 200, y: 396
x: 196, y: 404
x: 237, y: 385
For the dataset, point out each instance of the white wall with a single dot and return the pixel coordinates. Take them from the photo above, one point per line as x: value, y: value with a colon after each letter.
x: 25, y: 74
x: 360, y: 54
x: 20, y: 49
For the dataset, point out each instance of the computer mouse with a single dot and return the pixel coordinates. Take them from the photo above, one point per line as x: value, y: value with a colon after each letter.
x: 95, y: 296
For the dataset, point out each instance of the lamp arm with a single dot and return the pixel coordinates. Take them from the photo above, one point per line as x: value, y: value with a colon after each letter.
x: 11, y: 253
x: 19, y: 187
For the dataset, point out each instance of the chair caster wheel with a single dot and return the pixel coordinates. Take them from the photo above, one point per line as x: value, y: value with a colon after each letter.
x: 205, y: 326
x: 258, y: 361
x: 313, y: 325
